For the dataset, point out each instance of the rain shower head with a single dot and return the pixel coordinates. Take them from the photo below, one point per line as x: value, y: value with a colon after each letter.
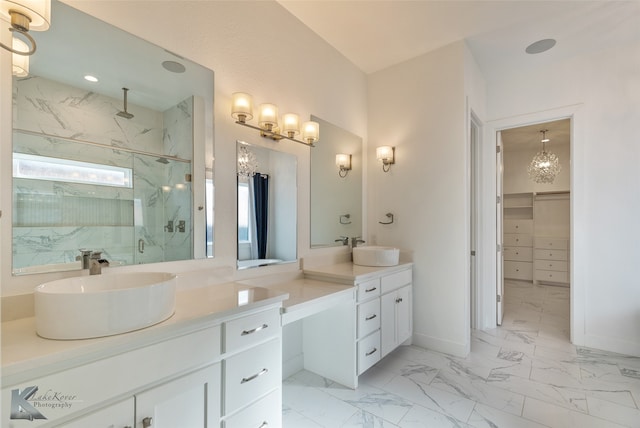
x: 162, y: 160
x: 125, y: 113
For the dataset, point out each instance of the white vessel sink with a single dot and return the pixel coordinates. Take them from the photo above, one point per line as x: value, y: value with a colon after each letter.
x: 376, y: 256
x: 103, y: 305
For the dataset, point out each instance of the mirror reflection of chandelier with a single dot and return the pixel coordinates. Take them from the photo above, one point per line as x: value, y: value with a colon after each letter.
x: 247, y: 162
x: 544, y: 166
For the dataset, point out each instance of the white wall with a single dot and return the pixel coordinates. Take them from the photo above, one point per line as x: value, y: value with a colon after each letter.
x: 286, y: 64
x: 420, y: 107
x: 605, y: 182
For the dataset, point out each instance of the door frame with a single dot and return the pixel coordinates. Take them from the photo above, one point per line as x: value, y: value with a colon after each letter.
x: 488, y: 227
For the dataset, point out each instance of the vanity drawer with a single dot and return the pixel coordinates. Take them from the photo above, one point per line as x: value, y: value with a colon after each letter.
x: 555, y: 265
x: 251, y: 374
x: 518, y: 270
x: 395, y: 280
x: 550, y: 254
x: 368, y: 351
x: 518, y: 254
x: 517, y: 240
x: 550, y: 275
x: 552, y: 243
x: 267, y: 412
x: 368, y: 317
x: 368, y: 289
x: 251, y: 329
x: 518, y: 226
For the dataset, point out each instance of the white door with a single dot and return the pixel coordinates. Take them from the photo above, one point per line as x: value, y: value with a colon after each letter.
x: 499, y: 255
x: 474, y: 135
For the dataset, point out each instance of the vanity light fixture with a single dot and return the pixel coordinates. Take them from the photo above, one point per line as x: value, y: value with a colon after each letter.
x: 544, y: 166
x: 26, y: 15
x: 242, y: 111
x: 20, y: 62
x: 343, y: 161
x: 386, y: 155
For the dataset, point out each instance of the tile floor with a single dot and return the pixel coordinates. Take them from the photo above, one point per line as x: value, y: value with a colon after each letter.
x: 523, y: 374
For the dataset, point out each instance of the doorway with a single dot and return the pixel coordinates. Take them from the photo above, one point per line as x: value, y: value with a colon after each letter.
x: 533, y: 228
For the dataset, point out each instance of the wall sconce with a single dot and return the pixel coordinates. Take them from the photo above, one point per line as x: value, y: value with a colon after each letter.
x: 343, y: 162
x: 26, y: 15
x: 242, y: 111
x: 386, y: 155
x: 20, y: 62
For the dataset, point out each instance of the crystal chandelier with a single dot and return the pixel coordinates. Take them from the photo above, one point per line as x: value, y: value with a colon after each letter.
x: 544, y: 166
x: 247, y: 163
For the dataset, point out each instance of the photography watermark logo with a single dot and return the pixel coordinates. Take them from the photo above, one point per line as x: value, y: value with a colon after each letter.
x: 27, y: 404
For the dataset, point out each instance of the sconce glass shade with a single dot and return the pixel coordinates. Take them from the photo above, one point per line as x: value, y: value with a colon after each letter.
x: 268, y: 116
x: 310, y: 132
x: 38, y: 11
x: 291, y: 124
x: 384, y: 154
x: 20, y: 62
x: 241, y: 106
x: 343, y: 161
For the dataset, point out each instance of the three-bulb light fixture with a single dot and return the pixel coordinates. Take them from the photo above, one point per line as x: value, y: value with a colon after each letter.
x: 544, y: 166
x: 268, y: 125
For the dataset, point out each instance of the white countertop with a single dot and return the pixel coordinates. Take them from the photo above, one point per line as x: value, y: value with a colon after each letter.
x: 27, y: 356
x: 348, y: 272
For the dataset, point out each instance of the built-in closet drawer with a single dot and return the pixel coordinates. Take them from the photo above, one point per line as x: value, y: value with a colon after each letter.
x: 518, y: 270
x: 524, y: 226
x: 395, y: 280
x: 517, y: 240
x: 552, y: 276
x: 267, y: 412
x: 518, y: 254
x: 368, y: 351
x: 251, y: 374
x: 368, y: 317
x: 251, y: 329
x: 552, y: 243
x: 368, y: 289
x: 556, y: 265
x: 550, y: 254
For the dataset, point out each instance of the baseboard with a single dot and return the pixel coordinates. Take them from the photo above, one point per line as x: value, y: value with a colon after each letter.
x: 610, y: 344
x: 441, y: 345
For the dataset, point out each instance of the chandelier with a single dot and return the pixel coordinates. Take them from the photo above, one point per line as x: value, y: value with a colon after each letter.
x: 247, y: 163
x: 544, y: 166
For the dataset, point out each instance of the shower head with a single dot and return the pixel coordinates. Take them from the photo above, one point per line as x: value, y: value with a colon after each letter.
x: 162, y: 160
x: 125, y: 113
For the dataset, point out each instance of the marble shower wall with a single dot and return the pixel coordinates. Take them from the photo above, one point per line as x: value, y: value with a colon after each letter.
x: 52, y: 219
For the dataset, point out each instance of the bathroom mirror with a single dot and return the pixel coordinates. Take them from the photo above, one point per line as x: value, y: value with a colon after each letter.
x: 336, y: 197
x: 113, y: 150
x: 267, y: 206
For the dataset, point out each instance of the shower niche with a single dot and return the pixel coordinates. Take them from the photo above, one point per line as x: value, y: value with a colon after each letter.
x: 87, y: 176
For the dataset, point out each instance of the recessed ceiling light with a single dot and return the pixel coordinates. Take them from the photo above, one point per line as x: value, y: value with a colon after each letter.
x: 90, y: 78
x: 173, y: 66
x: 540, y: 46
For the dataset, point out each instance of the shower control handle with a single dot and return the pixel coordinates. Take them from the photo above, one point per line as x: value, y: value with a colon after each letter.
x: 141, y: 245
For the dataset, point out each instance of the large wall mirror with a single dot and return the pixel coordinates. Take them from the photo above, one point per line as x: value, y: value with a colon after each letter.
x: 336, y: 196
x: 267, y: 206
x: 112, y: 150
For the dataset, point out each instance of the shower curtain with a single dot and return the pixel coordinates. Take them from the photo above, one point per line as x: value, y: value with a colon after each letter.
x: 261, y: 209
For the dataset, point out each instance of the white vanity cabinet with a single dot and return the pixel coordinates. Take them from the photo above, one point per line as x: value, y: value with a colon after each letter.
x: 396, y: 319
x: 119, y: 415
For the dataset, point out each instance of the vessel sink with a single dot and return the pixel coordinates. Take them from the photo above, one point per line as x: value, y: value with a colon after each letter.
x: 103, y: 305
x: 376, y: 256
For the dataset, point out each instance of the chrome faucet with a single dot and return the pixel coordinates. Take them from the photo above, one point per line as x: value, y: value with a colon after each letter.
x: 96, y: 263
x: 343, y: 239
x: 355, y: 241
x: 84, y: 257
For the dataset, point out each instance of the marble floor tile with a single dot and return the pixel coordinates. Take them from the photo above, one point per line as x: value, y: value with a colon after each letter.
x: 523, y: 374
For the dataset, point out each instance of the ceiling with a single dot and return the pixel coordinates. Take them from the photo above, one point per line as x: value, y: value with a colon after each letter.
x: 375, y: 34
x: 528, y: 137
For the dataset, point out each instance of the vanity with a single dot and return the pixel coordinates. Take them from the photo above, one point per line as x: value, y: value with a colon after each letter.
x: 220, y: 354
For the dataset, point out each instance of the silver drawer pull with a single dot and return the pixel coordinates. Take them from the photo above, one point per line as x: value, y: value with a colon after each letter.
x: 264, y: 424
x: 369, y: 290
x: 254, y: 330
x: 250, y: 378
x: 371, y: 352
x: 370, y: 318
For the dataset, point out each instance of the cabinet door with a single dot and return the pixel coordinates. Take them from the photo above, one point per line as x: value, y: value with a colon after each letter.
x: 404, y: 318
x: 387, y: 323
x: 119, y: 415
x: 190, y: 401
